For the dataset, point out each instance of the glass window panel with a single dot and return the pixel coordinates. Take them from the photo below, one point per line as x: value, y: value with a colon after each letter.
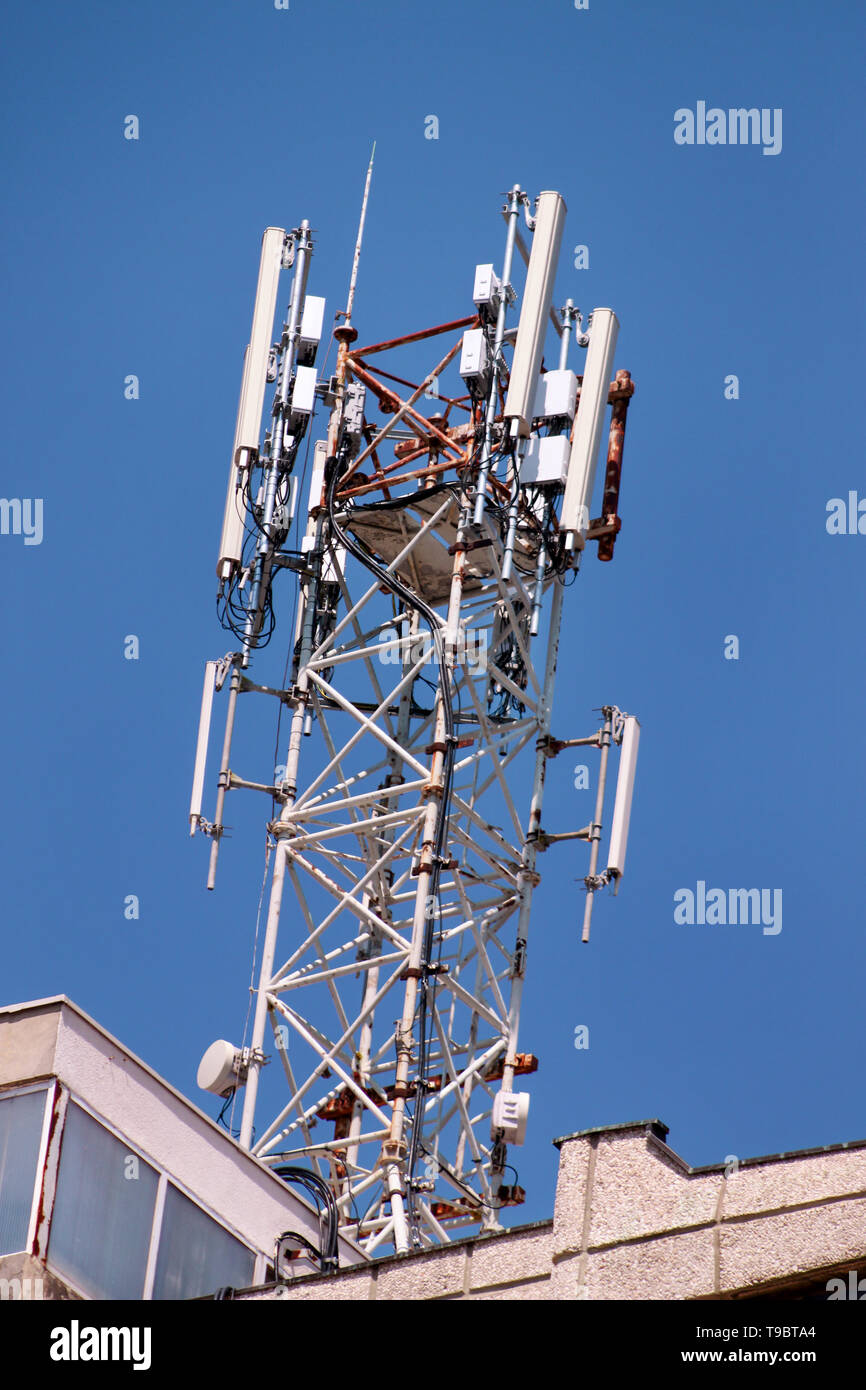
x: 20, y: 1132
x: 196, y: 1255
x: 103, y: 1211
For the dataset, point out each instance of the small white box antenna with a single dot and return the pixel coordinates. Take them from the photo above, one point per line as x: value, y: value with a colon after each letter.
x: 354, y: 406
x: 317, y: 480
x: 312, y: 320
x: 545, y: 460
x: 487, y: 289
x: 474, y: 358
x: 303, y: 398
x: 510, y: 1114
x: 556, y: 395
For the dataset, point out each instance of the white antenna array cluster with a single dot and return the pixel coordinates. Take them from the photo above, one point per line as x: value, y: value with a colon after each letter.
x: 430, y: 586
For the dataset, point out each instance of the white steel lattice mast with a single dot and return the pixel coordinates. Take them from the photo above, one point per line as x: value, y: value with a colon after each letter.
x: 430, y: 597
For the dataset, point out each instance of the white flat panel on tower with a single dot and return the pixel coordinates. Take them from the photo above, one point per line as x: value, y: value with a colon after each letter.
x: 312, y: 320
x: 540, y: 275
x: 316, y: 500
x: 317, y: 492
x: 256, y: 365
x: 556, y: 395
x: 232, y: 538
x: 317, y: 481
x: 624, y: 792
x: 303, y: 394
x: 473, y: 354
x: 485, y: 291
x: 545, y: 460
x: 253, y: 383
x: 201, y: 745
x: 354, y: 407
x: 590, y: 418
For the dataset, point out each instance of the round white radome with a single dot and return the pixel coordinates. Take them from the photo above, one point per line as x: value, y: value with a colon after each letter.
x: 216, y: 1070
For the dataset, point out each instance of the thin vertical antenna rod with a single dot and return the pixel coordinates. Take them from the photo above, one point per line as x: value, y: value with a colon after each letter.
x: 354, y: 280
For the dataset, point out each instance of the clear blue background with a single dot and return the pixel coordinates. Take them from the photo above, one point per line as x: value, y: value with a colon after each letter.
x: 140, y: 257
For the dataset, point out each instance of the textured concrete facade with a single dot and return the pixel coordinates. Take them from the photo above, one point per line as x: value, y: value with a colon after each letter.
x: 633, y: 1221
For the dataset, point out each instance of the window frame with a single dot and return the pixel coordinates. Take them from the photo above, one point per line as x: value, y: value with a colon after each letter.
x: 169, y: 1181
x: 164, y: 1177
x: 10, y: 1093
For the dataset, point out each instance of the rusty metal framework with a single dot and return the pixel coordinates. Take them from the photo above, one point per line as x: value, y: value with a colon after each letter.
x: 405, y: 850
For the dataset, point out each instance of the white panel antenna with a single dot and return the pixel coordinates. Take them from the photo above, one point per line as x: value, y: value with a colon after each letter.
x: 253, y: 383
x: 537, y: 294
x: 232, y: 538
x: 624, y: 793
x: 201, y: 745
x: 588, y: 426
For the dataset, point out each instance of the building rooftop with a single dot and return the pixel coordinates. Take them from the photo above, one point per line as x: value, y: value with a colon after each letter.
x: 113, y: 1184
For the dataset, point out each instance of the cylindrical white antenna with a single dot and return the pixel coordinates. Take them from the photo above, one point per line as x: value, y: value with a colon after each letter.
x: 594, y: 392
x: 622, y: 802
x: 253, y: 383
x: 537, y: 295
x: 201, y: 745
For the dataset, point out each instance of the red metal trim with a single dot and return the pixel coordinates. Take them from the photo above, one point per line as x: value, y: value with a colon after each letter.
x: 472, y: 322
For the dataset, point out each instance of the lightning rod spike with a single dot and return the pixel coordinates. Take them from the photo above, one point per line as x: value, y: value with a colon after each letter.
x: 351, y: 300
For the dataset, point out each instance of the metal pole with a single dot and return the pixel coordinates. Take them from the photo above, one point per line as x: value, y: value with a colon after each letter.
x: 595, y: 832
x: 538, y: 591
x: 344, y: 335
x: 394, y: 1150
x: 527, y: 876
x: 272, y: 927
x: 568, y: 316
x: 513, y: 508
x: 222, y: 786
x: 394, y: 778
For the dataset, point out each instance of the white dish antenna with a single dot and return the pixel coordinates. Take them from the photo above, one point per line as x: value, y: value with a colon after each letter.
x: 221, y: 1069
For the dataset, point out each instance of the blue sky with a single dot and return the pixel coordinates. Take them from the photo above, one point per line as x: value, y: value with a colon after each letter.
x: 140, y: 257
